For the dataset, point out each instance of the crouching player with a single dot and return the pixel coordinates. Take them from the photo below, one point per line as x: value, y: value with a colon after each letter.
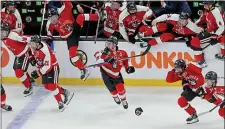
x: 211, y: 92
x: 48, y: 68
x: 110, y: 71
x: 3, y: 99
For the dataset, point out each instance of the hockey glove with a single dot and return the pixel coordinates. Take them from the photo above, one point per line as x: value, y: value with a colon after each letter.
x: 110, y: 60
x: 32, y: 60
x: 106, y: 51
x: 35, y: 74
x: 131, y: 39
x: 214, y: 40
x: 170, y: 27
x: 130, y: 69
x: 185, y: 84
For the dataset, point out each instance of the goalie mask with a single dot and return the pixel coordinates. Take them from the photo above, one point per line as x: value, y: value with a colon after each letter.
x: 211, y: 78
x: 112, y: 43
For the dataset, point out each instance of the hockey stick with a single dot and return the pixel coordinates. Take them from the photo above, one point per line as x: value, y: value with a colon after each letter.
x: 96, y: 33
x: 86, y: 6
x: 206, y: 112
x: 142, y: 54
x: 43, y: 16
x: 221, y: 77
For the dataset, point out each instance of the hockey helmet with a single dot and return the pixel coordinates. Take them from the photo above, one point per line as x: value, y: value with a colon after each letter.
x: 180, y: 63
x: 113, y: 39
x: 115, y: 5
x: 183, y: 19
x: 5, y: 26
x: 9, y: 8
x: 131, y: 6
x: 211, y: 76
x: 184, y: 15
x: 52, y: 11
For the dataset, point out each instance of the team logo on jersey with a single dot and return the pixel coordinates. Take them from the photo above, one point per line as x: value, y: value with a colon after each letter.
x: 110, y: 23
x: 68, y: 28
x: 114, y: 65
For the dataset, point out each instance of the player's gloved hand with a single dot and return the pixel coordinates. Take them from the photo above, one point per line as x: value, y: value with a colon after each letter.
x: 214, y: 39
x: 131, y: 39
x: 32, y: 60
x: 170, y: 26
x: 201, y: 92
x: 110, y: 60
x: 130, y: 69
x: 106, y: 51
x: 222, y: 105
x: 35, y: 74
x: 185, y: 84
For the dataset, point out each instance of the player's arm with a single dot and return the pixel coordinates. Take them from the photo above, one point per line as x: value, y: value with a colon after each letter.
x: 201, y: 20
x: 14, y: 35
x: 147, y: 10
x: 122, y: 28
x: 172, y: 77
x: 219, y: 21
x: 19, y: 24
x: 161, y: 18
x: 194, y: 28
x: 66, y: 5
x: 129, y: 69
x: 49, y: 30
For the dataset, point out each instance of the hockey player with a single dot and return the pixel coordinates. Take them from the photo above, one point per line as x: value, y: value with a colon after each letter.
x: 17, y: 44
x: 110, y: 72
x: 112, y: 11
x: 192, y: 81
x: 3, y: 100
x: 213, y: 17
x: 211, y: 92
x: 61, y: 20
x: 179, y: 25
x: 11, y: 15
x: 48, y: 69
x: 132, y: 20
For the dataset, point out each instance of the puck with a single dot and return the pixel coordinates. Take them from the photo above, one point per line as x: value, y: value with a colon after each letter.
x: 138, y: 111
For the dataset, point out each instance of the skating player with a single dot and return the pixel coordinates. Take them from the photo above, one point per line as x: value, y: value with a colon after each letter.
x: 17, y: 44
x: 179, y: 25
x: 213, y: 17
x: 3, y: 100
x: 110, y: 72
x: 193, y: 86
x: 132, y: 21
x: 48, y: 69
x: 11, y: 15
x: 111, y: 23
x: 61, y: 20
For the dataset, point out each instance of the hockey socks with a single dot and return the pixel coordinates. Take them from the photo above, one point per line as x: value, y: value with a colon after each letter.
x: 183, y: 103
x: 74, y: 58
x: 24, y: 77
x: 3, y: 98
x: 121, y: 91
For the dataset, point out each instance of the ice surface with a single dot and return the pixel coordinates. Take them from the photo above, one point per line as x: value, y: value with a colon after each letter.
x: 93, y: 108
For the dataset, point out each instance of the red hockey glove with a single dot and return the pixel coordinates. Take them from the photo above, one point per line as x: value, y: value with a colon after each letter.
x: 35, y: 74
x: 130, y: 69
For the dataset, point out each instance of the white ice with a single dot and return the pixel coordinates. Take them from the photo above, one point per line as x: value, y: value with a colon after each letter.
x: 93, y: 108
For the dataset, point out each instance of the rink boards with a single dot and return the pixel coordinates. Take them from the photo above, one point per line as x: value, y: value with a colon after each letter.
x: 151, y: 69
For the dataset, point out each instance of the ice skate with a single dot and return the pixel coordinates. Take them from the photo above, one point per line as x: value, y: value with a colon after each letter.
x: 7, y: 108
x: 67, y: 96
x: 125, y: 104
x: 84, y: 74
x: 192, y: 119
x: 220, y: 56
x: 203, y: 63
x: 61, y: 106
x: 28, y: 91
x: 33, y: 83
x: 117, y: 100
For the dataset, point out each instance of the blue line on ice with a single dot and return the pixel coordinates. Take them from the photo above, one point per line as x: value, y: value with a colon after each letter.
x: 22, y: 117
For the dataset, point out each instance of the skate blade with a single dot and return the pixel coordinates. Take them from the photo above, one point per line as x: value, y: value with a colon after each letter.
x: 28, y: 94
x: 61, y: 110
x: 85, y: 78
x: 70, y: 98
x: 219, y: 59
x: 192, y: 122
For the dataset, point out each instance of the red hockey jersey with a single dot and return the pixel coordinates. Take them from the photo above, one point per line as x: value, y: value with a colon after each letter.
x: 214, y: 20
x: 129, y: 23
x: 113, y: 70
x: 17, y: 43
x: 14, y: 20
x: 45, y: 58
x: 192, y: 74
x: 65, y: 23
x: 190, y: 29
x: 111, y: 23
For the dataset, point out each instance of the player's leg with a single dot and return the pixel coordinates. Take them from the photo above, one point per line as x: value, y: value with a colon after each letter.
x: 20, y: 67
x: 3, y: 100
x: 221, y: 56
x: 221, y: 110
x: 161, y: 39
x: 50, y: 82
x: 121, y: 90
x: 183, y: 101
x: 110, y: 84
x: 146, y: 30
x: 198, y: 52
